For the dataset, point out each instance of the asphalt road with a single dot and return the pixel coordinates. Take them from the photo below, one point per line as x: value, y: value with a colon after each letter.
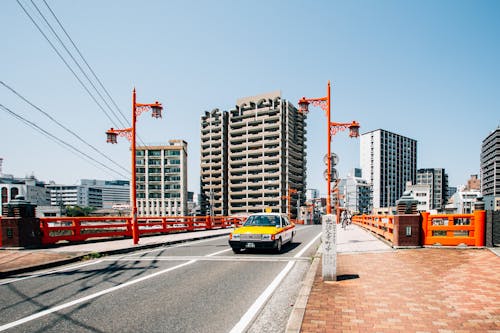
x: 199, y: 286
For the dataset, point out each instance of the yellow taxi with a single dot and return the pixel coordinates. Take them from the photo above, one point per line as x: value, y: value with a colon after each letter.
x: 263, y: 231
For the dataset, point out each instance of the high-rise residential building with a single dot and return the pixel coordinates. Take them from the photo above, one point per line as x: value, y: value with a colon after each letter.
x: 355, y: 193
x: 114, y: 192
x: 265, y: 157
x: 162, y: 179
x: 214, y: 163
x: 490, y: 170
x: 388, y: 161
x: 437, y: 179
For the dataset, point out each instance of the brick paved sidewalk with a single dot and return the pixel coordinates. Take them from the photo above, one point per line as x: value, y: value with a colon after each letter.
x: 420, y: 290
x: 13, y: 260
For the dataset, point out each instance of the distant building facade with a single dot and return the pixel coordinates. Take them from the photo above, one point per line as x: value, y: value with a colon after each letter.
x: 162, y: 179
x: 75, y: 195
x: 462, y: 202
x: 33, y: 190
x: 437, y: 179
x: 355, y: 193
x: 388, y: 161
x: 490, y: 170
x: 114, y: 192
x: 423, y: 194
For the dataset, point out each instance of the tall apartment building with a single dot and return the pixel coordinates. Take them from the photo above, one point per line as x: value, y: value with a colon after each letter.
x: 162, y: 179
x: 265, y: 156
x: 437, y: 179
x: 388, y: 161
x: 490, y: 170
x: 214, y: 163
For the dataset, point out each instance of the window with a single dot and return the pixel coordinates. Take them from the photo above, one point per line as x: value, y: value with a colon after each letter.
x: 154, y: 153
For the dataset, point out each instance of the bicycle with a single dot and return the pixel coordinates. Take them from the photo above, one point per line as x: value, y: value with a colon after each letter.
x: 346, y: 218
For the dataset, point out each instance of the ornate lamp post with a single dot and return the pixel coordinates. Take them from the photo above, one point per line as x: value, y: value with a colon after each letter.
x: 130, y: 134
x: 332, y: 129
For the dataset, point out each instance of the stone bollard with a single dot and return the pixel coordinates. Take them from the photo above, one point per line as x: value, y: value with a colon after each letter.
x: 329, y: 240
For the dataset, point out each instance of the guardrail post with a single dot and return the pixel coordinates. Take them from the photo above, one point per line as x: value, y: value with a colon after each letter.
x: 479, y: 219
x: 425, y: 227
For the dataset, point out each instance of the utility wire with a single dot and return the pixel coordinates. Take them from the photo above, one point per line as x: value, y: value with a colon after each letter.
x: 63, y: 143
x: 78, y: 65
x: 61, y: 125
x: 65, y: 62
x: 85, y: 61
x: 76, y: 62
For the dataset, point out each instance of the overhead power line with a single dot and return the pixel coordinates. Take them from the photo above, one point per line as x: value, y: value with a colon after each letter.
x: 76, y: 62
x: 66, y: 63
x: 62, y: 126
x: 59, y: 141
x: 85, y: 61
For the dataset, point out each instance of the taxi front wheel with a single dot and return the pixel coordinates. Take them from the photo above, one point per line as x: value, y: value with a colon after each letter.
x: 278, y: 245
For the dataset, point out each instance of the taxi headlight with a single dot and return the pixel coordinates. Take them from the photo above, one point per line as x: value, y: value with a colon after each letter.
x: 235, y: 237
x: 266, y: 237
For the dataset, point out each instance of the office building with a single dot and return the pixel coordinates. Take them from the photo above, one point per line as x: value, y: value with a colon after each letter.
x: 114, y: 192
x: 214, y: 163
x: 265, y: 156
x: 437, y: 179
x: 490, y: 170
x: 162, y: 179
x: 388, y: 161
x: 75, y: 195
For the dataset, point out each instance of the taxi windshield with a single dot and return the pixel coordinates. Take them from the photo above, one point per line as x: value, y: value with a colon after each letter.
x: 262, y: 220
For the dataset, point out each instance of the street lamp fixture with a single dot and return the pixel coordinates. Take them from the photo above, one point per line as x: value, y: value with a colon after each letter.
x: 130, y: 134
x: 332, y: 129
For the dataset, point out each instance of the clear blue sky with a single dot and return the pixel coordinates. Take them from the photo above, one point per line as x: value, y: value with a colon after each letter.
x: 428, y: 70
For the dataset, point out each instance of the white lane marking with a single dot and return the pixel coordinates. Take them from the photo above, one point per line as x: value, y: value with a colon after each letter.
x: 97, y: 294
x: 187, y: 243
x: 183, y: 243
x: 249, y: 316
x: 49, y: 272
x: 219, y: 258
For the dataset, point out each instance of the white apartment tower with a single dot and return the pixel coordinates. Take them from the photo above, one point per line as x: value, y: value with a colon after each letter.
x: 162, y: 179
x: 490, y: 170
x: 265, y: 156
x: 214, y: 163
x: 388, y: 161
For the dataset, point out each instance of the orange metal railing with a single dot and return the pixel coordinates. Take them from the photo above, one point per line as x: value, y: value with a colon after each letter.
x: 454, y: 229
x: 382, y: 225
x: 55, y: 229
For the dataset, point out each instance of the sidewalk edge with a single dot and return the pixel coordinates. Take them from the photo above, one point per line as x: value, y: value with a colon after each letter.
x: 295, y: 320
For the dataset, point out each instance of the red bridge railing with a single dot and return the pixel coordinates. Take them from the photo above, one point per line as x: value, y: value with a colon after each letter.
x: 382, y: 225
x: 443, y: 229
x: 454, y: 229
x: 55, y: 229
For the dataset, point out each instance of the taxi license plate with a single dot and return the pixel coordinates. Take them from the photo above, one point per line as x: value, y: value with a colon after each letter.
x: 250, y: 245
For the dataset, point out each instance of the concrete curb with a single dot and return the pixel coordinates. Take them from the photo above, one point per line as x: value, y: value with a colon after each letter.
x: 299, y: 309
x: 80, y: 256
